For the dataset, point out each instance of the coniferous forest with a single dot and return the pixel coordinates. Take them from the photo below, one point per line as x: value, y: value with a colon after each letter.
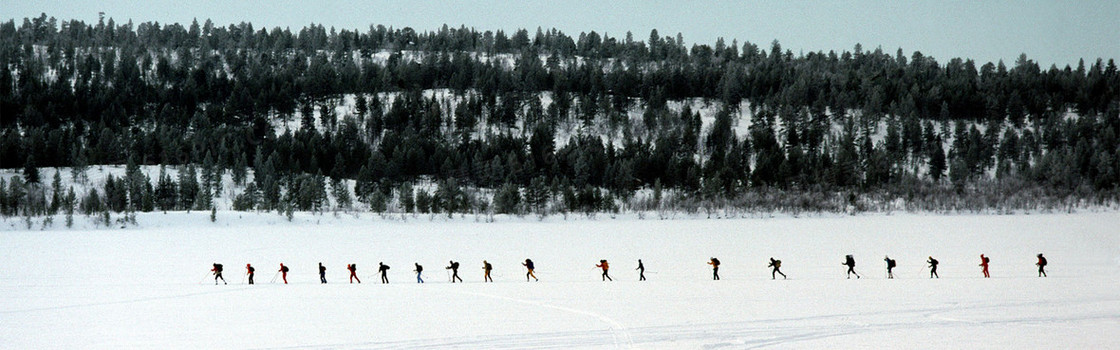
x: 464, y: 120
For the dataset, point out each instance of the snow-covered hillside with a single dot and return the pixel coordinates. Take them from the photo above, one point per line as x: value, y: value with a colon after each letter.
x: 147, y: 286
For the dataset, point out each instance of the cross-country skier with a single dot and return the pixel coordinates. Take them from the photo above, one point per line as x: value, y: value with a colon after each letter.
x: 249, y: 270
x: 284, y: 272
x: 603, y: 264
x: 715, y: 268
x: 353, y: 273
x: 1041, y: 266
x: 890, y: 266
x: 641, y: 271
x: 322, y: 274
x: 454, y: 267
x: 933, y: 267
x: 486, y: 267
x: 777, y: 265
x: 419, y: 269
x: 529, y: 265
x: 850, y: 262
x: 218, y: 273
x: 384, y: 269
x: 984, y: 264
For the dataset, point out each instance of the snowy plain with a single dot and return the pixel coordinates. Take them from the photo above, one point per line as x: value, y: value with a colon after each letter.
x: 148, y: 286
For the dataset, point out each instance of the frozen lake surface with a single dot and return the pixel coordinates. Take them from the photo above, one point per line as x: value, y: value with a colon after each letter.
x: 148, y: 286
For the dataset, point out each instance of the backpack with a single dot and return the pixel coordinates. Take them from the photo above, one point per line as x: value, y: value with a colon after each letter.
x: 850, y: 261
x: 455, y: 266
x: 891, y: 263
x: 284, y: 269
x: 252, y: 269
x: 218, y: 267
x: 1041, y: 261
x: 419, y: 269
x: 353, y: 267
x: 715, y: 262
x: 777, y: 264
x: 986, y: 260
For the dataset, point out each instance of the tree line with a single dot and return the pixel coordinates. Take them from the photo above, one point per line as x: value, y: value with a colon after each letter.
x: 203, y: 96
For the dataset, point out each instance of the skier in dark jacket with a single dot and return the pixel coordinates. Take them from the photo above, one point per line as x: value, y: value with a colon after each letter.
x: 284, y: 272
x: 890, y: 266
x: 850, y: 262
x: 777, y: 265
x: 984, y: 264
x: 384, y: 269
x: 454, y: 267
x: 641, y: 271
x: 1041, y: 266
x: 603, y: 265
x: 933, y: 267
x: 419, y: 269
x: 218, y: 273
x: 715, y: 268
x: 322, y: 274
x: 353, y: 273
x: 529, y: 265
x: 486, y: 267
x: 249, y: 270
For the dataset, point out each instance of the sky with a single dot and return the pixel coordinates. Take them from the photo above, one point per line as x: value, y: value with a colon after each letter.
x: 1049, y: 32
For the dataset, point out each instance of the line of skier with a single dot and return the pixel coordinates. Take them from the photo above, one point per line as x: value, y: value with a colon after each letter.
x: 453, y: 268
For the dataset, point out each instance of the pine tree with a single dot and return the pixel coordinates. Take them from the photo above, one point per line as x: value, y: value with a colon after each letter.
x: 56, y: 193
x: 407, y: 199
x: 507, y: 200
x: 30, y: 170
x: 188, y: 188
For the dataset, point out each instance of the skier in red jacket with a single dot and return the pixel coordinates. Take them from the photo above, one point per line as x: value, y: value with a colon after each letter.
x: 284, y: 272
x: 604, y: 265
x: 353, y: 273
x: 984, y: 263
x: 250, y: 271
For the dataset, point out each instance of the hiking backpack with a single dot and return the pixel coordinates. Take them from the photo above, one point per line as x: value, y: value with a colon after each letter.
x: 284, y: 269
x: 218, y: 267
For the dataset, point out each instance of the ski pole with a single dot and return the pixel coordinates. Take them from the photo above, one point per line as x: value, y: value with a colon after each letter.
x: 449, y: 276
x: 203, y: 278
x: 274, y: 277
x: 244, y: 277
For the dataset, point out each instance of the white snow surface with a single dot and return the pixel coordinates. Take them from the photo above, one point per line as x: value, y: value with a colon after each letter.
x: 148, y: 286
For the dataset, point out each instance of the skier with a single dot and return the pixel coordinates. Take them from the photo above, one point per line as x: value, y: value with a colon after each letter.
x: 933, y: 267
x: 890, y: 266
x: 322, y: 274
x: 529, y: 265
x: 486, y: 267
x: 353, y: 273
x: 383, y: 269
x: 984, y: 264
x: 715, y: 268
x: 850, y: 262
x: 641, y: 271
x: 1041, y: 266
x: 454, y: 267
x: 218, y: 273
x: 777, y: 265
x: 603, y: 264
x: 249, y: 270
x: 419, y: 269
x: 284, y: 272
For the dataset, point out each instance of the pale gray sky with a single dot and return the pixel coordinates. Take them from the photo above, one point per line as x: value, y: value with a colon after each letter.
x: 1050, y: 32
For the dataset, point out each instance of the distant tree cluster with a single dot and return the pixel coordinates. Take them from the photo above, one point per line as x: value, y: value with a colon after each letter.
x: 208, y: 98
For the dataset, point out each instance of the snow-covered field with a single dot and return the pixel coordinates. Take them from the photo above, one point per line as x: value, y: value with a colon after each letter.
x: 148, y: 286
